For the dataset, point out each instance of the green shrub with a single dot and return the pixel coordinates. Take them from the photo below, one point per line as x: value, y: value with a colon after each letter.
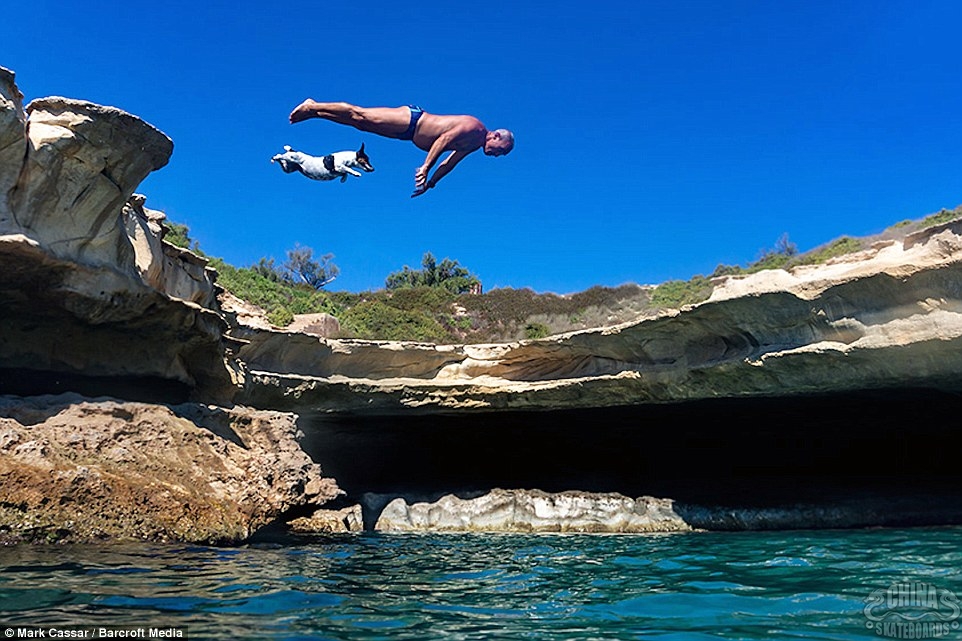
x: 376, y: 320
x: 943, y: 216
x: 434, y: 299
x: 676, y: 293
x: 536, y: 330
x: 281, y: 299
x: 769, y: 261
x: 727, y: 270
x: 838, y: 247
x: 280, y: 316
x: 179, y: 236
x: 431, y: 304
x: 447, y: 274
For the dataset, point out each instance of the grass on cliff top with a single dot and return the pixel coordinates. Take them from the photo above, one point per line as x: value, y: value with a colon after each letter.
x: 428, y: 314
x: 434, y: 314
x: 676, y: 293
x: 437, y: 315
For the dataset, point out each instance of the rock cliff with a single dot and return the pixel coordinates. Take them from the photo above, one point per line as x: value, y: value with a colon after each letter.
x: 889, y: 317
x: 88, y: 287
x: 95, y: 302
x: 92, y: 289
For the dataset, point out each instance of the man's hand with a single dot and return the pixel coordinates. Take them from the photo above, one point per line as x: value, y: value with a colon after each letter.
x: 420, y: 181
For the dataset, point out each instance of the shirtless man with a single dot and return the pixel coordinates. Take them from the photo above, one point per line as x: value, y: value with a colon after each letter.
x: 461, y: 135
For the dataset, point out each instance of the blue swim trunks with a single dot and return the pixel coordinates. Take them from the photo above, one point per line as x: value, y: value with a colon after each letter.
x: 415, y: 116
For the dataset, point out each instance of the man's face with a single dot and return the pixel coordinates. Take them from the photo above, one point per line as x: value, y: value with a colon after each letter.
x: 495, y: 145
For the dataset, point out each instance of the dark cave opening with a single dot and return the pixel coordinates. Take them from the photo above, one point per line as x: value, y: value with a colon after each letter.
x: 734, y: 452
x: 143, y: 389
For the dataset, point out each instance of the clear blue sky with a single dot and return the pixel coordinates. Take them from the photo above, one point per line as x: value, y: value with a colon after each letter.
x: 655, y: 140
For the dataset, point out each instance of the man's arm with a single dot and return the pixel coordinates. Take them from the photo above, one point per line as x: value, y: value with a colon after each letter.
x: 439, y: 146
x: 443, y: 170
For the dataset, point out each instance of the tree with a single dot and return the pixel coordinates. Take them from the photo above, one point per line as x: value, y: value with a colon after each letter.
x: 784, y: 246
x: 179, y: 235
x: 301, y: 266
x: 447, y: 274
x: 778, y: 258
x: 266, y: 268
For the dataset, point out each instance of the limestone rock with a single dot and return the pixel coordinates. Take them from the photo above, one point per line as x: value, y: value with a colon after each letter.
x: 175, y: 271
x: 245, y: 318
x: 144, y: 229
x: 13, y: 142
x: 887, y: 318
x: 75, y: 469
x: 347, y: 519
x: 523, y: 511
x: 188, y: 277
x: 89, y: 288
x: 65, y: 317
x: 323, y: 325
x: 83, y: 163
x: 534, y: 511
x: 302, y: 354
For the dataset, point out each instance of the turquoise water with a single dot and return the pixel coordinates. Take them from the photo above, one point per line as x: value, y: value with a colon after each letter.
x: 759, y: 585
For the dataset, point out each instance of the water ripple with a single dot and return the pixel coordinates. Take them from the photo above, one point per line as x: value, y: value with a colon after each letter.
x: 796, y: 585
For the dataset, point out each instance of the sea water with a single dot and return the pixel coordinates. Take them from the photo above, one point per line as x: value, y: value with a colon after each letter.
x: 843, y: 584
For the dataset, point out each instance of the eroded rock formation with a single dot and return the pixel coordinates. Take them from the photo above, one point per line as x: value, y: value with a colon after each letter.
x: 94, y: 301
x: 534, y: 511
x: 613, y: 513
x: 78, y: 469
x: 887, y: 317
x: 348, y: 519
x: 89, y: 289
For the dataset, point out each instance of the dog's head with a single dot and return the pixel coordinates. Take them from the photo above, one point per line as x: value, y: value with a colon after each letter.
x: 362, y: 161
x: 287, y: 160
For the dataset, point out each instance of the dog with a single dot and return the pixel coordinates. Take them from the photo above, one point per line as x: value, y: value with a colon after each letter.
x: 329, y: 167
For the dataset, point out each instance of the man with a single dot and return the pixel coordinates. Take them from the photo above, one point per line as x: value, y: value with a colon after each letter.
x: 461, y: 135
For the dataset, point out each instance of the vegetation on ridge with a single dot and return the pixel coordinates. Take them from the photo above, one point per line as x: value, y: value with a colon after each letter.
x: 698, y: 288
x: 434, y: 303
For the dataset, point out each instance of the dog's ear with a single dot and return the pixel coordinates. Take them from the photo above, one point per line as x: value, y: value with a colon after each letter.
x: 361, y: 150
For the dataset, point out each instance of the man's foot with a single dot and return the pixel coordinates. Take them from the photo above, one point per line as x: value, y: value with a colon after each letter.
x: 303, y: 111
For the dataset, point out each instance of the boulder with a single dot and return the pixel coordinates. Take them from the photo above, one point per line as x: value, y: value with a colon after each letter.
x: 323, y: 325
x: 323, y: 521
x: 534, y: 511
x: 78, y: 469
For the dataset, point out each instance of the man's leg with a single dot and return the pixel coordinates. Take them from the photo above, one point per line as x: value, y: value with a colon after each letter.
x: 384, y: 121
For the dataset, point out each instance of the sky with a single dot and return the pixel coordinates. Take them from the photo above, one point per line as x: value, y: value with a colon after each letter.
x: 654, y: 140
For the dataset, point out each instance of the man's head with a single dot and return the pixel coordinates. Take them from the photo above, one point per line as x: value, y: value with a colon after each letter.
x: 498, y: 142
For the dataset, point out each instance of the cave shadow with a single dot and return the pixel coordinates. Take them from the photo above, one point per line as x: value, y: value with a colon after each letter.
x: 897, y: 446
x: 142, y: 389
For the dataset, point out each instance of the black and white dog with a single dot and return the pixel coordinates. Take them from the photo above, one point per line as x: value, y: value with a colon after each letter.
x: 329, y: 167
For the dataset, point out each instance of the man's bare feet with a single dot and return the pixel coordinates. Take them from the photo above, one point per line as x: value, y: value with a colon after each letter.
x: 303, y: 111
